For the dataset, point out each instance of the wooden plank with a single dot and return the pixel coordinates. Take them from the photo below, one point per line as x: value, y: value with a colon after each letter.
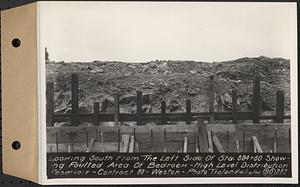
x: 139, y: 107
x: 279, y: 106
x: 171, y: 128
x: 96, y: 112
x: 102, y: 142
x: 202, y: 137
x: 185, y: 145
x: 74, y: 98
x: 116, y: 109
x: 165, y: 141
x: 119, y: 141
x: 256, y: 146
x: 151, y: 139
x: 125, y: 143
x: 237, y: 146
x: 275, y: 141
x: 91, y: 144
x: 210, y: 142
x: 217, y: 144
x: 256, y: 98
x: 110, y: 133
x: 289, y: 137
x: 56, y: 141
x: 211, y: 99
x: 149, y: 117
x: 136, y: 147
x: 234, y: 106
x: 249, y: 127
x: 163, y: 112
x: 131, y: 144
x: 125, y: 129
x: 188, y: 111
x: 227, y: 140
x: 50, y: 104
x: 196, y: 142
x: 244, y: 141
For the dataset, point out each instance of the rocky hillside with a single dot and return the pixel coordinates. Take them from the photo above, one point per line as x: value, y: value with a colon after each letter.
x: 172, y: 81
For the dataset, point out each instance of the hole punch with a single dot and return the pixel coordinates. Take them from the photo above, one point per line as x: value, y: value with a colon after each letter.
x: 16, y: 145
x: 16, y: 42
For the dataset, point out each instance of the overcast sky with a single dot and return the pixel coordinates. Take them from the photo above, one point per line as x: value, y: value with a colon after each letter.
x: 141, y: 32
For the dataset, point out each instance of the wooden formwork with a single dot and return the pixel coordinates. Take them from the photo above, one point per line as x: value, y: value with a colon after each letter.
x: 197, y: 137
x: 76, y: 118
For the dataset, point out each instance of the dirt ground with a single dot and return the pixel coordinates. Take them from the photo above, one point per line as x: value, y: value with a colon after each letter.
x: 172, y: 81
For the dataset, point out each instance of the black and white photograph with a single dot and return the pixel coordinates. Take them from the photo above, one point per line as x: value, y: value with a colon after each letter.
x: 168, y: 77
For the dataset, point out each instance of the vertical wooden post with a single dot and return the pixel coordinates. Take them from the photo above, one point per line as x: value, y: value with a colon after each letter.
x: 279, y: 106
x: 75, y: 107
x: 234, y: 106
x: 139, y: 107
x: 211, y: 99
x: 116, y: 109
x: 96, y: 113
x: 188, y: 112
x: 50, y: 104
x: 163, y: 112
x: 256, y: 98
x: 244, y: 141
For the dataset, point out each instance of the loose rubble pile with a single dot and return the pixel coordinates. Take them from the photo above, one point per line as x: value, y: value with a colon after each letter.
x: 171, y: 81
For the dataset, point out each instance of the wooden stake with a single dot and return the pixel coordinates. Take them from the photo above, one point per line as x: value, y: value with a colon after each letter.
x: 211, y: 99
x: 234, y: 106
x: 151, y: 134
x: 119, y: 147
x: 244, y: 140
x: 101, y: 141
x: 256, y: 146
x: 237, y: 146
x: 279, y: 106
x: 50, y: 104
x: 188, y: 112
x: 163, y: 112
x: 131, y: 144
x: 275, y: 140
x: 96, y: 113
x: 256, y: 98
x: 125, y: 143
x: 202, y: 137
x: 116, y: 109
x: 165, y: 142
x: 210, y: 142
x: 185, y: 144
x: 56, y: 141
x: 139, y: 105
x: 74, y: 97
x: 217, y: 144
x: 227, y: 140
